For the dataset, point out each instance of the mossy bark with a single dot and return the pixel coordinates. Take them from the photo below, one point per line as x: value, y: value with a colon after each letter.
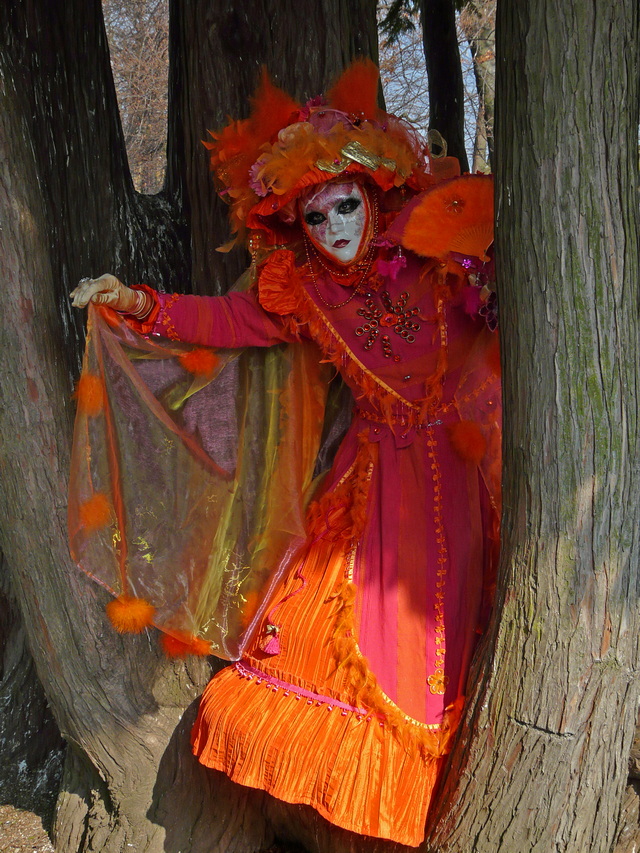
x: 541, y: 759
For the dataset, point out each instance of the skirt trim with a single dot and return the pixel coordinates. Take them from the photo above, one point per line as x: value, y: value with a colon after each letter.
x: 347, y: 766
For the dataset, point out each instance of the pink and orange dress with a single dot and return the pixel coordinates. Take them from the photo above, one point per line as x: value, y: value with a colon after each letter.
x: 348, y: 694
x: 357, y: 611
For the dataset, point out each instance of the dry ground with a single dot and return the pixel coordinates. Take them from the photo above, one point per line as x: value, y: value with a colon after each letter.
x: 27, y: 800
x: 22, y: 831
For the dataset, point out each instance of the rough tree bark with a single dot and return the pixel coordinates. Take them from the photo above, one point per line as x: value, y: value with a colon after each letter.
x: 541, y: 761
x: 442, y: 58
x: 68, y: 209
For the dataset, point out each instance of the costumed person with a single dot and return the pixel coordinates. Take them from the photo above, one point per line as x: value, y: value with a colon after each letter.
x: 207, y: 495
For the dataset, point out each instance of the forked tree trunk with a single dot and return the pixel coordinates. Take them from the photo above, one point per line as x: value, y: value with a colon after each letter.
x: 119, y: 705
x: 68, y: 209
x: 541, y: 761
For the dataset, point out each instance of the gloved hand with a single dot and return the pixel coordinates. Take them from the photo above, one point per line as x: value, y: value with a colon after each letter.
x: 108, y: 290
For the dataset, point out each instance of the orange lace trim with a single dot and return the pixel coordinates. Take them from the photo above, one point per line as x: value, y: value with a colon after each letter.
x: 430, y: 740
x: 165, y: 318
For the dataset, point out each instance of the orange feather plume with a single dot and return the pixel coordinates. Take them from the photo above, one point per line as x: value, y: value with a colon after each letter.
x: 95, y: 512
x: 272, y: 110
x: 180, y: 644
x: 130, y: 615
x: 356, y: 90
x: 236, y: 147
x: 468, y: 441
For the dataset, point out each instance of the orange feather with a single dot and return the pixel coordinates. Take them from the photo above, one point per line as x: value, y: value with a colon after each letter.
x: 272, y: 110
x: 356, y: 90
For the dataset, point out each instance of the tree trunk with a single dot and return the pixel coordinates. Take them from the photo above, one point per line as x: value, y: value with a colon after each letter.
x: 68, y: 209
x: 442, y: 57
x: 540, y: 763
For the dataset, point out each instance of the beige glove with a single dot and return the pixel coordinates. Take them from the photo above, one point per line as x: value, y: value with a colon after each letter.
x: 108, y: 290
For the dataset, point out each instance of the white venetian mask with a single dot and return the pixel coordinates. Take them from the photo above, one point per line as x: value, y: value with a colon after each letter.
x: 336, y: 218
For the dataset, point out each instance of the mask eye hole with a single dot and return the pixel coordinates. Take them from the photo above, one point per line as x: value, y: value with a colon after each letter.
x: 348, y: 205
x: 314, y: 217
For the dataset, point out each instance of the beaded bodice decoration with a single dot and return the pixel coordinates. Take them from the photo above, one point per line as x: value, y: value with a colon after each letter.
x: 394, y: 316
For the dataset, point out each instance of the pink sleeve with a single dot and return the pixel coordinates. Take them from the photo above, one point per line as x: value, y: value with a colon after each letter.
x: 234, y: 320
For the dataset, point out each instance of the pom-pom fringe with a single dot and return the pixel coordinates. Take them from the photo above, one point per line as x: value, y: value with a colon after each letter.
x: 130, y: 615
x: 201, y: 361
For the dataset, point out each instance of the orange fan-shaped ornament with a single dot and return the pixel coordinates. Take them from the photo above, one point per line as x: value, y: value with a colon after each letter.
x: 455, y: 216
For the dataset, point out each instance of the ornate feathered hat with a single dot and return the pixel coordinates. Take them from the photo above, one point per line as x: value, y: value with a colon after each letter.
x: 261, y: 164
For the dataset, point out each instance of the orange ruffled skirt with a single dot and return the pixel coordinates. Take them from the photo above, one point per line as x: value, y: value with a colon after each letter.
x: 305, y: 738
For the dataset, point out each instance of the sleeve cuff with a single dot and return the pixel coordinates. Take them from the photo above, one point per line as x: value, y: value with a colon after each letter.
x: 146, y: 326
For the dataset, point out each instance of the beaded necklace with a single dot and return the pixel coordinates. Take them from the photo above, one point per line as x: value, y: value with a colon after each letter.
x: 365, y: 264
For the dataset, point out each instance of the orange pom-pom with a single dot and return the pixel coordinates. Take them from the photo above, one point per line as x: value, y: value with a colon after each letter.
x: 356, y: 90
x: 95, y: 513
x: 90, y: 394
x: 468, y: 441
x: 200, y: 361
x: 180, y: 644
x: 130, y: 615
